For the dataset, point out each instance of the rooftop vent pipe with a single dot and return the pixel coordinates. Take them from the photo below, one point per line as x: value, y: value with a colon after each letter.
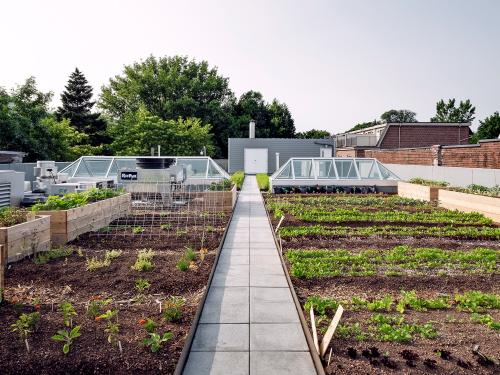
x: 251, y: 129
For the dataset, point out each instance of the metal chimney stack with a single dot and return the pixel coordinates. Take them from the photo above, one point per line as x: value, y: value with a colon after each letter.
x: 251, y: 129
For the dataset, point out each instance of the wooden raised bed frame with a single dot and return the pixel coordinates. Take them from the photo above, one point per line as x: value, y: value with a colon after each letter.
x: 27, y: 238
x: 454, y: 200
x: 66, y: 225
x: 415, y: 191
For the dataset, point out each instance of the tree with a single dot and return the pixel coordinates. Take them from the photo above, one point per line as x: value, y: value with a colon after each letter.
x: 77, y: 108
x: 489, y: 128
x: 447, y: 112
x: 27, y: 125
x: 139, y: 131
x: 313, y: 134
x: 281, y: 121
x: 169, y: 88
x: 399, y: 115
x: 364, y: 125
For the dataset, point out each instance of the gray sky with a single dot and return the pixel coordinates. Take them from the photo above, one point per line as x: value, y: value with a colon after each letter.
x: 335, y: 63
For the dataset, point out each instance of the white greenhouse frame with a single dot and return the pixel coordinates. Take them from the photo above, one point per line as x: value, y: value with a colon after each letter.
x: 206, y: 176
x: 378, y: 174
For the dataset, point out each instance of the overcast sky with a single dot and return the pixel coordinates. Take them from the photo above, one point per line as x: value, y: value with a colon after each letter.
x: 335, y: 63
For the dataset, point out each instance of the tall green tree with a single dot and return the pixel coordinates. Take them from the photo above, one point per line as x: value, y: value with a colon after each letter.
x: 399, y: 115
x: 313, y: 134
x: 27, y: 125
x: 281, y: 121
x: 489, y: 128
x: 364, y: 125
x: 449, y: 112
x: 76, y: 106
x: 139, y: 131
x: 169, y: 88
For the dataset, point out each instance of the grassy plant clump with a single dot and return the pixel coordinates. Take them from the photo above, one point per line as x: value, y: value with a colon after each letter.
x: 144, y: 260
x: 395, y: 262
x: 47, y: 256
x: 238, y: 178
x: 489, y: 233
x: 186, y: 259
x: 425, y: 182
x: 487, y: 320
x: 223, y: 185
x: 262, y: 181
x: 10, y: 216
x: 95, y: 263
x: 72, y: 200
x: 172, y: 308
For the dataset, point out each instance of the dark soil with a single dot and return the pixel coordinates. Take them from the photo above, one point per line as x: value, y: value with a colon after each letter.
x: 450, y: 353
x: 66, y: 279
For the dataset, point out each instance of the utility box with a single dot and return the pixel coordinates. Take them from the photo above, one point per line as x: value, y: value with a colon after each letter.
x: 16, y: 181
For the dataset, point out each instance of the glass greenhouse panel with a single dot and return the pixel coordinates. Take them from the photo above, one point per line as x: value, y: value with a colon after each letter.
x: 194, y: 167
x: 387, y: 174
x: 98, y: 167
x: 303, y: 168
x: 286, y: 173
x: 346, y: 169
x: 125, y: 163
x: 367, y: 169
x: 325, y: 169
x: 82, y: 170
x: 212, y: 170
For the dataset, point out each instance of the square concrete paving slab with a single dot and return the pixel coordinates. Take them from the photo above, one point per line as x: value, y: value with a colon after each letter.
x: 284, y: 337
x: 226, y: 305
x: 269, y: 258
x: 236, y: 251
x: 272, y: 305
x: 281, y: 363
x: 236, y: 244
x: 268, y: 281
x: 220, y: 337
x: 231, y: 275
x: 263, y: 250
x: 233, y: 258
x: 217, y: 363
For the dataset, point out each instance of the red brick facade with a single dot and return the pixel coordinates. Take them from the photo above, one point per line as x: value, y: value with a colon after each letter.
x: 424, y: 136
x: 486, y: 154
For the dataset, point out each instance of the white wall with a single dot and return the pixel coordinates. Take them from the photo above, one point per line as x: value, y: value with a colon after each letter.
x: 456, y: 176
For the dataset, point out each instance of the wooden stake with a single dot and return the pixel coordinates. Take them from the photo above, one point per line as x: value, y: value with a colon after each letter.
x: 330, y: 331
x: 279, y: 224
x: 329, y: 357
x: 313, y: 327
x: 3, y: 264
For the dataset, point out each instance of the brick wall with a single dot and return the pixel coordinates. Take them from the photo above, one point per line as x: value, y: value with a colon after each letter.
x: 486, y: 154
x: 424, y: 136
x: 420, y: 156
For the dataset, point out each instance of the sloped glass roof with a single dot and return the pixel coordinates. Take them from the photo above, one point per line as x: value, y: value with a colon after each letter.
x: 106, y: 167
x: 333, y: 169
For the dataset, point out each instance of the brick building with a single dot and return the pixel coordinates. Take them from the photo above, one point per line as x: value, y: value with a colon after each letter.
x: 401, y: 135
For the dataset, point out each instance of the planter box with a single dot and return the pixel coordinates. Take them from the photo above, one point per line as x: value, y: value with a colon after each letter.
x: 66, y: 225
x: 453, y: 200
x: 3, y: 264
x: 26, y: 238
x: 221, y: 200
x: 415, y: 191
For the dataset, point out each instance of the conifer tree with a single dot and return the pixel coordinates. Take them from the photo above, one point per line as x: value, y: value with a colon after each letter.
x: 77, y: 108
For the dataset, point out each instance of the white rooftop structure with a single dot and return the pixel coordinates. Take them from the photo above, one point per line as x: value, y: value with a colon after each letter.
x: 199, y: 169
x: 334, y: 172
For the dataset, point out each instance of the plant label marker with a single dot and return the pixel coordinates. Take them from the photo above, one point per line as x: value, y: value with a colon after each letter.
x: 279, y: 224
x: 313, y: 327
x: 331, y: 330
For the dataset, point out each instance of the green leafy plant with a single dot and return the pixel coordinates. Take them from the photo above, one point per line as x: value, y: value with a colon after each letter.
x: 423, y: 181
x: 68, y: 312
x: 68, y: 337
x: 166, y: 227
x: 148, y: 324
x: 262, y: 181
x: 186, y: 259
x: 238, y: 178
x: 47, y: 256
x: 144, y: 260
x: 137, y: 230
x: 95, y: 305
x: 155, y: 340
x: 10, y: 216
x: 172, y: 308
x: 486, y: 319
x: 24, y: 325
x: 72, y: 200
x: 112, y: 327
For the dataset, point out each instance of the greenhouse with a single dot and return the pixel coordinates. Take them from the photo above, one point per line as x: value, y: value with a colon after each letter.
x: 198, y: 168
x: 333, y: 175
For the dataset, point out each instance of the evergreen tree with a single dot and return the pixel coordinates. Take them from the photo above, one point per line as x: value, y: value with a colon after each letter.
x: 77, y: 106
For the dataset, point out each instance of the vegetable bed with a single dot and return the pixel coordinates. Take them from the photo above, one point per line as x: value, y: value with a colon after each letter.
x: 105, y: 304
x: 420, y: 285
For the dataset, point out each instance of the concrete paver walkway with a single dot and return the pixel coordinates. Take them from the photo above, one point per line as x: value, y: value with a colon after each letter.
x: 249, y: 323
